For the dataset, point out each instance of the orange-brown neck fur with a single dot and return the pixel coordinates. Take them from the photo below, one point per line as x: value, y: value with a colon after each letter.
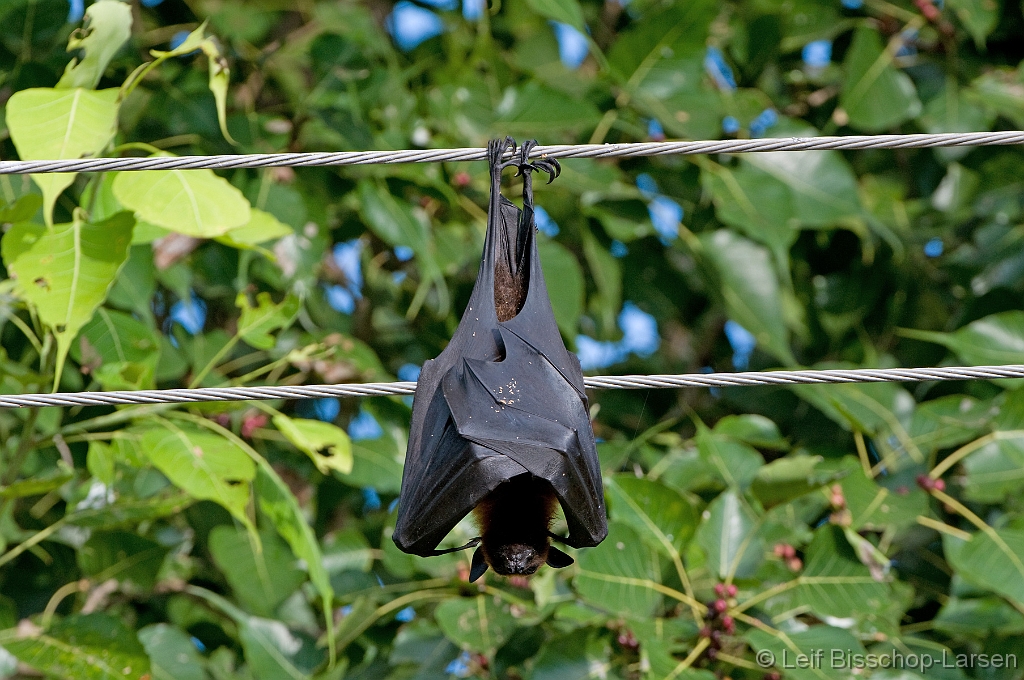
x: 514, y: 522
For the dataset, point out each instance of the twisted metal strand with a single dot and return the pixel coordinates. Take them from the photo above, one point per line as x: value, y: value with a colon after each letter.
x: 264, y: 160
x: 624, y: 382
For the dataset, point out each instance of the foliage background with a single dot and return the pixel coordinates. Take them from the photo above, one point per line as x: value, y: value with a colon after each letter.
x: 253, y: 540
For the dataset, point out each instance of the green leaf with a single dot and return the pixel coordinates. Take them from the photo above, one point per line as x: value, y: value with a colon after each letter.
x: 278, y: 504
x: 750, y: 289
x: 876, y: 95
x: 346, y: 550
x: 480, y: 623
x: 100, y: 462
x: 394, y: 221
x: 22, y: 209
x: 999, y: 90
x: 659, y: 41
x: 874, y: 507
x: 172, y: 654
x: 979, y: 17
x: 90, y: 646
x: 261, y: 576
x: 49, y: 124
x: 204, y: 465
x: 949, y: 421
x: 113, y: 340
x: 835, y: 582
x: 996, y: 469
x: 116, y: 336
x: 563, y: 11
x: 784, y: 479
x: 19, y: 239
x: 568, y: 656
x: 954, y: 110
x: 327, y: 445
x: 258, y: 322
x: 729, y: 537
x: 735, y: 462
x: 810, y: 643
x: 821, y: 186
x: 39, y: 484
x: 192, y: 42
x: 534, y: 108
x: 980, y: 617
x: 261, y: 227
x: 131, y: 511
x: 993, y: 561
x: 753, y: 201
x: 662, y: 516
x: 752, y: 429
x: 108, y: 25
x: 67, y: 272
x: 272, y: 650
x: 376, y: 463
x: 124, y: 556
x: 993, y: 340
x: 192, y: 202
x: 621, y: 575
x: 566, y: 285
x: 219, y: 79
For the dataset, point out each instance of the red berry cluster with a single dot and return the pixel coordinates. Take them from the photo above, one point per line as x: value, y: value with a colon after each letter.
x: 627, y: 640
x: 717, y: 623
x: 928, y: 484
x: 788, y: 553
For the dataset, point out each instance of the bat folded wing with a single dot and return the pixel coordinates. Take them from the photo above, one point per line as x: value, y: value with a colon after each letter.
x: 458, y: 475
x: 523, y: 408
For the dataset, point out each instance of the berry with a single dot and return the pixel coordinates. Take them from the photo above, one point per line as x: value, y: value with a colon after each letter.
x: 721, y: 606
x: 731, y: 590
x: 720, y: 589
x: 729, y: 624
x: 705, y: 632
x: 940, y: 484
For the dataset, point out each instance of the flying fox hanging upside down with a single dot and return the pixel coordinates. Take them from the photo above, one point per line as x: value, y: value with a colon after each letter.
x: 500, y: 420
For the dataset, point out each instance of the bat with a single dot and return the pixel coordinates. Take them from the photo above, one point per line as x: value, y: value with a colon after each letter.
x: 500, y: 420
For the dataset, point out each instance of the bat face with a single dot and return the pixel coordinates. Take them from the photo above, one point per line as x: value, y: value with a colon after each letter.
x: 514, y: 523
x: 500, y: 421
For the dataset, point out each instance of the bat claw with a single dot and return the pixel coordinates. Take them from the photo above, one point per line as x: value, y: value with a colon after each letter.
x: 497, y: 148
x: 547, y: 165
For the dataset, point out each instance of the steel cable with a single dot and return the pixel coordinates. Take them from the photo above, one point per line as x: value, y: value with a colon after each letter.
x: 624, y: 382
x: 264, y: 160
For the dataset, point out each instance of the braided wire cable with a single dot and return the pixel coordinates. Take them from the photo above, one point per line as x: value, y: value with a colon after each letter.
x: 623, y: 382
x: 264, y: 160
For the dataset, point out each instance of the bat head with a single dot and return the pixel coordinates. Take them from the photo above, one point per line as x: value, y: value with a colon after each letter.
x: 516, y: 559
x: 514, y: 521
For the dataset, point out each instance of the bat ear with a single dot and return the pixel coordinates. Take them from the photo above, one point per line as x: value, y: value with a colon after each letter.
x: 557, y: 558
x: 479, y: 565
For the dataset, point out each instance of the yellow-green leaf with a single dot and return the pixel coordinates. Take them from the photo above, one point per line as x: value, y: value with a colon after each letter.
x: 191, y: 202
x: 327, y: 445
x: 67, y: 272
x: 257, y: 322
x: 108, y: 25
x: 261, y: 227
x: 50, y: 124
x: 202, y: 464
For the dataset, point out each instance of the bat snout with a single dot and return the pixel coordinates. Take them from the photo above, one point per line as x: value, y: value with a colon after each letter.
x: 517, y: 559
